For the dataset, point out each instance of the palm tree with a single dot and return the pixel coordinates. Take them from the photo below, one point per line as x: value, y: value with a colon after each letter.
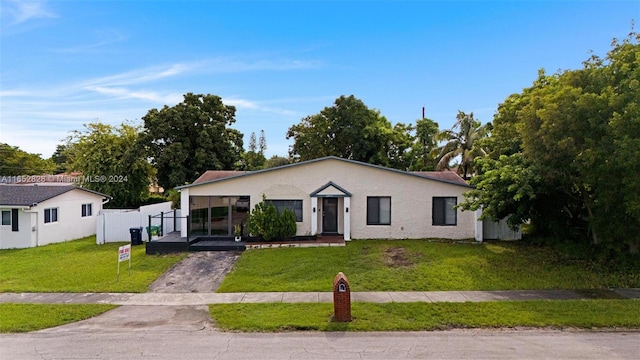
x: 462, y: 143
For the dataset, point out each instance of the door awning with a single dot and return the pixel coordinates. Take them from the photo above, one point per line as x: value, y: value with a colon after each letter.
x: 331, y: 189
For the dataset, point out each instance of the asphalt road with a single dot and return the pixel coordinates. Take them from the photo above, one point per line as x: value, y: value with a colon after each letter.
x: 211, y: 344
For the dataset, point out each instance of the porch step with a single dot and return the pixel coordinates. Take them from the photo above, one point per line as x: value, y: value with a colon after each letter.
x: 218, y: 245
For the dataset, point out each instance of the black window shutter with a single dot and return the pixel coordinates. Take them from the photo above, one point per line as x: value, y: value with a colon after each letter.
x: 14, y: 219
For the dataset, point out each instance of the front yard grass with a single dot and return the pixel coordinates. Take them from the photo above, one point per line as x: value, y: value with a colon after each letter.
x: 15, y: 318
x: 420, y: 265
x: 80, y: 266
x: 275, y: 317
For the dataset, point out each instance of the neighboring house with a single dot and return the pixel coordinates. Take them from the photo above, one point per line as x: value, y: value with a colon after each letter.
x: 334, y: 196
x: 36, y: 214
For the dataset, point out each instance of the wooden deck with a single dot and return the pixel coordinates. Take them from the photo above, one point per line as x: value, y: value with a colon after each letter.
x: 172, y: 242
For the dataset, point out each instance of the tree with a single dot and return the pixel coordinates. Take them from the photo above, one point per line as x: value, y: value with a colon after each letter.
x: 185, y: 140
x: 462, y: 143
x: 61, y: 158
x: 422, y: 151
x: 14, y: 161
x: 348, y: 129
x: 564, y: 153
x: 275, y: 161
x: 112, y: 162
x: 254, y: 158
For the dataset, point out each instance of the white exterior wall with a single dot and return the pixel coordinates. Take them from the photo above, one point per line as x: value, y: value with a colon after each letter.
x: 24, y: 237
x: 411, y: 197
x: 70, y: 225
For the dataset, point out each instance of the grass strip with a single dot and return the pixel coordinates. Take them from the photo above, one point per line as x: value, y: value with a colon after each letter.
x: 17, y: 318
x: 419, y: 265
x: 80, y: 266
x: 276, y: 317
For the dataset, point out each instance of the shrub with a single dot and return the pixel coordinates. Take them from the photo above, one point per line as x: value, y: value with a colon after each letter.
x: 264, y: 221
x: 287, y: 223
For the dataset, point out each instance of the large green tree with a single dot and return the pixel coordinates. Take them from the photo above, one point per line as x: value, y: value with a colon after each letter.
x: 112, y: 162
x: 185, y: 140
x: 14, y: 161
x: 421, y: 155
x: 254, y: 158
x: 462, y: 142
x: 348, y: 129
x: 564, y: 153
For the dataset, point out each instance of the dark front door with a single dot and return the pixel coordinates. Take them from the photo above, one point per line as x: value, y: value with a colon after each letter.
x: 330, y: 215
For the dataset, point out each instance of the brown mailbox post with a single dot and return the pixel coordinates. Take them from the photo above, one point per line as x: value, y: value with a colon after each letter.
x: 341, y: 299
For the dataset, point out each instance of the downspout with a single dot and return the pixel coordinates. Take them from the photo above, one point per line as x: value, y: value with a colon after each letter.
x: 104, y: 225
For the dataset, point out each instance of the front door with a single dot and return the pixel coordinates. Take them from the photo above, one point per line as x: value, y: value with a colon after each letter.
x: 330, y: 215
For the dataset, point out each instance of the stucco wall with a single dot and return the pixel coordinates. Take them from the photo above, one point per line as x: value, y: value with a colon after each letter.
x: 71, y: 225
x: 24, y: 237
x: 411, y: 197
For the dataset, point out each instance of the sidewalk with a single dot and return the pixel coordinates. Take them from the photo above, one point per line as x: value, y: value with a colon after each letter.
x: 178, y: 299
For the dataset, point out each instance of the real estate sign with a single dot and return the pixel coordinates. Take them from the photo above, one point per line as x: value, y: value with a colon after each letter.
x: 124, y: 254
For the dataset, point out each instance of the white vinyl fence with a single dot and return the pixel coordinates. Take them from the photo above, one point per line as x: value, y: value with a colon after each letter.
x: 500, y: 230
x: 113, y: 225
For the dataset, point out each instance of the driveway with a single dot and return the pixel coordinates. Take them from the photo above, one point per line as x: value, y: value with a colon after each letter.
x: 199, y: 272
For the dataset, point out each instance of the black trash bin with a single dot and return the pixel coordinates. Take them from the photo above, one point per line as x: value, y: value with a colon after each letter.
x: 136, y: 236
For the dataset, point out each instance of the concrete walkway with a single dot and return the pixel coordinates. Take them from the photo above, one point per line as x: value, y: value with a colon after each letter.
x: 191, y: 299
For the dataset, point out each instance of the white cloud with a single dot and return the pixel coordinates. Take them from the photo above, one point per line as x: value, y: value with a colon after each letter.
x: 104, y: 38
x: 21, y: 11
x: 140, y: 76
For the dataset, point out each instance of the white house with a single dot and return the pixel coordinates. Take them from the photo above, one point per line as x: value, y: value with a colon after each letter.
x: 335, y: 196
x: 36, y: 214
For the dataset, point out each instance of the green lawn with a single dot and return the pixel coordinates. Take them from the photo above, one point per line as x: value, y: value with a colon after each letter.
x: 31, y: 317
x: 419, y: 265
x: 274, y: 317
x: 80, y: 266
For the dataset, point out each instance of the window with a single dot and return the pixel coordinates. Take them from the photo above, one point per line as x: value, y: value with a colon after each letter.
x: 86, y: 210
x: 50, y: 215
x: 378, y: 210
x: 444, y: 212
x: 293, y: 205
x: 6, y: 217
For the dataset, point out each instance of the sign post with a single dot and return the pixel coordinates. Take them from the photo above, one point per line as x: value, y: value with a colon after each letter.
x: 124, y: 254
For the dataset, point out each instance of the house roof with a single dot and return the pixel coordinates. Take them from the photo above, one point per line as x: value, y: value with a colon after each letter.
x: 211, y: 176
x: 32, y: 194
x: 448, y: 176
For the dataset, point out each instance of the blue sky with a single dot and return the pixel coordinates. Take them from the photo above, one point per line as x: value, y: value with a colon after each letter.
x: 67, y: 63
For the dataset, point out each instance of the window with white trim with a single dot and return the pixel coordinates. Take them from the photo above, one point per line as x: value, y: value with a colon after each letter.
x: 444, y: 212
x: 87, y: 210
x: 378, y: 210
x: 50, y: 215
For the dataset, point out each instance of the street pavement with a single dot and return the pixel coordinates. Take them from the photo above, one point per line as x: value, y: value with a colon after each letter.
x: 203, y: 344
